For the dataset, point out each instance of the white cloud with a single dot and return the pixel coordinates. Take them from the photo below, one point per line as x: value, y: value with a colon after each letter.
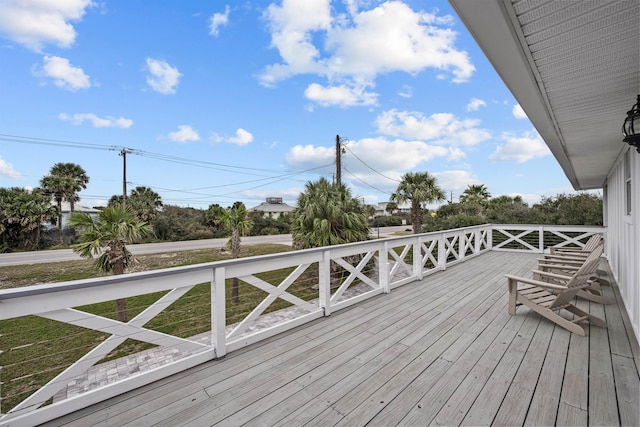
x: 341, y: 96
x: 475, y: 104
x: 217, y: 20
x: 388, y: 157
x: 6, y: 169
x: 441, y: 128
x: 393, y: 37
x: 520, y: 149
x: 64, y: 75
x: 289, y: 195
x: 456, y: 181
x: 33, y: 23
x: 242, y: 137
x: 291, y: 27
x: 518, y: 112
x: 350, y: 50
x: 456, y: 154
x: 162, y: 78
x: 97, y: 122
x: 405, y: 91
x: 184, y: 134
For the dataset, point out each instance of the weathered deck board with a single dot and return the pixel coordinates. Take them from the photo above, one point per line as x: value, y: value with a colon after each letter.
x: 544, y: 404
x: 440, y: 352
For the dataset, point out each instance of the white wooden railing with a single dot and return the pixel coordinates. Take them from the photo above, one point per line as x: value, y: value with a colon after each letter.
x: 342, y: 276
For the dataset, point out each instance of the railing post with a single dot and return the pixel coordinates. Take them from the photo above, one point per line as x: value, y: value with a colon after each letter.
x: 417, y: 259
x: 476, y: 243
x: 541, y: 239
x: 442, y: 252
x: 383, y: 268
x: 490, y: 237
x: 218, y: 313
x: 324, y: 282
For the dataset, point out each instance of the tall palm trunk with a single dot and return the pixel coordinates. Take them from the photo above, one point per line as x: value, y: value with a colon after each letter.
x: 60, y: 235
x: 416, y: 217
x: 235, y: 252
x: 117, y: 261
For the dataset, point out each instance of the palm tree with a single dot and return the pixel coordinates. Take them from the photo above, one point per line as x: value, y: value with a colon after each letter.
x: 327, y: 214
x: 391, y: 207
x: 236, y: 219
x: 107, y: 237
x: 145, y: 203
x: 77, y: 175
x: 22, y: 213
x: 214, y: 217
x: 35, y: 208
x: 58, y: 187
x: 421, y: 189
x: 371, y: 211
x: 476, y: 195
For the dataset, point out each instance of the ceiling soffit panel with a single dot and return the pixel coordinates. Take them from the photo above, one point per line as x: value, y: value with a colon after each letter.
x: 583, y: 69
x: 581, y: 53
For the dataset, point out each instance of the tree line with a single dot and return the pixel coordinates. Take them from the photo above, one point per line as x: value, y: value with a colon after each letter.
x: 326, y: 213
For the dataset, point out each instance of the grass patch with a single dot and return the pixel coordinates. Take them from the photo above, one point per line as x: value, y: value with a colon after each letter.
x: 16, y: 276
x: 34, y: 349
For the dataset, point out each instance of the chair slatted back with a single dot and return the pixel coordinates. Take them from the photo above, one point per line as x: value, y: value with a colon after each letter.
x: 593, y: 242
x: 580, y: 278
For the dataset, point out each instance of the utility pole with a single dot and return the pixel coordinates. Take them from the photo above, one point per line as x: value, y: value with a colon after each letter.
x: 124, y: 153
x: 338, y: 160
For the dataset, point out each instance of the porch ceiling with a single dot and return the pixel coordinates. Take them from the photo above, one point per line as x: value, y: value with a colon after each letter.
x: 574, y: 67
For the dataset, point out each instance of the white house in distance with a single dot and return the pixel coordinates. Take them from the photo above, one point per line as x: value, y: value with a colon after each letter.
x: 273, y: 207
x: 381, y: 209
x: 574, y: 68
x: 66, y: 211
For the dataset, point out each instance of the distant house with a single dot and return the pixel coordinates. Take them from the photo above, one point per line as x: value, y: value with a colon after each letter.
x: 381, y: 209
x: 272, y: 208
x: 66, y: 212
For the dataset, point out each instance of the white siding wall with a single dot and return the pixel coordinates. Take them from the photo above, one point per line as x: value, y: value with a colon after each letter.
x: 623, y: 233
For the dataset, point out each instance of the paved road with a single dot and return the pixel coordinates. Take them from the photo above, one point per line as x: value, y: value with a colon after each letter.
x: 38, y: 257
x: 57, y: 255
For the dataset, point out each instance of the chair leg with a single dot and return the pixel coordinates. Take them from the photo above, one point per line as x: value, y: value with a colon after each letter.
x: 555, y: 317
x: 513, y: 289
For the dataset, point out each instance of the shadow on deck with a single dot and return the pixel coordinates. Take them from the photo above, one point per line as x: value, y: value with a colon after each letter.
x: 441, y: 351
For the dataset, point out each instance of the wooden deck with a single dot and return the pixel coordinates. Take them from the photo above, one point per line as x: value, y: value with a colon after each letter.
x: 442, y: 351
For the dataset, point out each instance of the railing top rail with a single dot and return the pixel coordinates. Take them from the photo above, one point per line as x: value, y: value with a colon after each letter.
x: 145, y: 275
x: 129, y: 277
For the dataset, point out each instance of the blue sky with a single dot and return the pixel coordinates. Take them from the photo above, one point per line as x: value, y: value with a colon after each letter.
x: 221, y: 102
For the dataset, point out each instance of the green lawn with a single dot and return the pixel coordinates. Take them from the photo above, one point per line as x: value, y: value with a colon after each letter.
x: 35, y: 350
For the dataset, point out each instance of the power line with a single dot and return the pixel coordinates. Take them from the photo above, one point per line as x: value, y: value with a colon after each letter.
x: 143, y: 153
x: 366, y: 183
x: 55, y: 142
x: 270, y: 179
x: 364, y: 163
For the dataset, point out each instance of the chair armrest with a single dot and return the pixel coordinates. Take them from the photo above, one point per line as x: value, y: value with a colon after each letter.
x: 567, y: 262
x: 566, y: 257
x: 556, y: 276
x: 570, y: 257
x: 558, y: 266
x: 536, y: 282
x: 563, y: 249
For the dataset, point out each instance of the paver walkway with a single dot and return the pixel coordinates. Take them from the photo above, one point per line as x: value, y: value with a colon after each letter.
x: 121, y: 368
